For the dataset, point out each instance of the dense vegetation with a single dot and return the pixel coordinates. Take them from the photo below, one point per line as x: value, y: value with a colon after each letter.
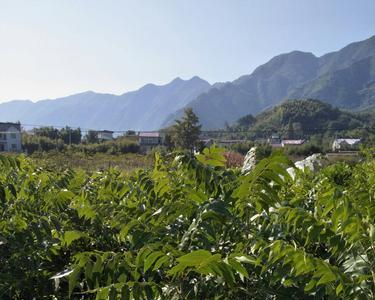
x: 187, y: 229
x: 304, y: 118
x: 60, y: 161
x: 47, y: 139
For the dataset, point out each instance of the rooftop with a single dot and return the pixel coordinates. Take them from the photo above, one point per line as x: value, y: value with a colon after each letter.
x: 4, y: 126
x: 348, y: 141
x: 104, y: 131
x: 293, y: 142
x: 149, y: 134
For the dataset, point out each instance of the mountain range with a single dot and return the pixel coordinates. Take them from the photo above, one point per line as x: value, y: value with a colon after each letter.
x: 345, y: 79
x: 144, y: 109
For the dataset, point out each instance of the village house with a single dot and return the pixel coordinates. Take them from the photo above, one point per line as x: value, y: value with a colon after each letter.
x: 286, y: 143
x: 346, y: 145
x: 10, y: 137
x: 207, y: 142
x: 226, y: 143
x: 105, y: 135
x: 275, y: 141
x: 149, y: 140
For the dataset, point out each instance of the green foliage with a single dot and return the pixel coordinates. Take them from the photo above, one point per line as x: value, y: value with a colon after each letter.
x: 186, y: 131
x: 92, y: 137
x: 34, y: 143
x: 70, y: 136
x: 120, y: 146
x: 189, y: 228
x: 296, y: 119
x: 246, y: 121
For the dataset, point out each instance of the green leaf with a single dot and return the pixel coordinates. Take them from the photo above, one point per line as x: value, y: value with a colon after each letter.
x: 238, y: 267
x: 73, y: 279
x: 339, y: 289
x: 151, y: 259
x: 102, y: 294
x: 70, y: 236
x: 310, y: 285
x: 194, y: 258
x: 212, y: 156
x: 160, y: 262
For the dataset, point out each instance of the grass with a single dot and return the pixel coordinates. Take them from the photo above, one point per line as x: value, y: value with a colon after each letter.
x: 61, y: 160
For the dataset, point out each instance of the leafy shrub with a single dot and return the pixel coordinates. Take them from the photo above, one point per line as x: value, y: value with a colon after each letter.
x: 189, y: 228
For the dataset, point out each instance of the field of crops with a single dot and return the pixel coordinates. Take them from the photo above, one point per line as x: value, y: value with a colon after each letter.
x: 188, y: 228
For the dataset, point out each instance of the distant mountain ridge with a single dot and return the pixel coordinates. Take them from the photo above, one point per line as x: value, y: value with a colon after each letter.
x: 144, y: 109
x: 345, y: 78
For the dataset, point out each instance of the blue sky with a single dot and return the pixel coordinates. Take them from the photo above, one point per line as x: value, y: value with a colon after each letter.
x: 51, y: 48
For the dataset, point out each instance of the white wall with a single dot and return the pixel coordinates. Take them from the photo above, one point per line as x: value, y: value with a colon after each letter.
x: 13, y: 140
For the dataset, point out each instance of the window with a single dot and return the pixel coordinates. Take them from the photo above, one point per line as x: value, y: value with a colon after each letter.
x: 14, y: 146
x: 13, y: 135
x: 3, y: 136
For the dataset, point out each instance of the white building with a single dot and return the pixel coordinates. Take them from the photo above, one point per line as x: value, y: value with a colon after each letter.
x: 286, y: 143
x: 105, y: 135
x: 10, y: 137
x: 346, y: 145
x: 149, y: 140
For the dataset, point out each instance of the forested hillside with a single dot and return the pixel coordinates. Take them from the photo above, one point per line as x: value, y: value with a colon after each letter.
x: 302, y: 118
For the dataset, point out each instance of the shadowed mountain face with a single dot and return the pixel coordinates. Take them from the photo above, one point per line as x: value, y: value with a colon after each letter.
x: 344, y: 78
x: 144, y: 109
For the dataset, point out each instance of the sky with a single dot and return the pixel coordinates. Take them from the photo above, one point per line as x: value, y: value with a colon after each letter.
x: 51, y: 49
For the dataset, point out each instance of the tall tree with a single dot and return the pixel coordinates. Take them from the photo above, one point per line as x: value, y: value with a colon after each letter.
x: 70, y: 136
x: 92, y: 137
x: 187, y: 131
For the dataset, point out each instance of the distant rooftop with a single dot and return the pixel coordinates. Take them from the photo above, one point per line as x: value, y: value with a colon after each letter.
x: 348, y: 141
x: 149, y: 134
x: 4, y: 126
x: 104, y: 131
x: 293, y: 142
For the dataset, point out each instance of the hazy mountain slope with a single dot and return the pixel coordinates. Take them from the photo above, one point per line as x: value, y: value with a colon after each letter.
x: 352, y: 87
x: 252, y: 93
x: 295, y: 74
x: 144, y: 109
x: 346, y: 56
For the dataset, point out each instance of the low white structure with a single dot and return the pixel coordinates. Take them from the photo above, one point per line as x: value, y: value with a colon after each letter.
x: 346, y: 145
x: 312, y: 163
x: 10, y: 137
x: 105, y: 135
x: 249, y: 161
x: 149, y: 140
x: 285, y: 143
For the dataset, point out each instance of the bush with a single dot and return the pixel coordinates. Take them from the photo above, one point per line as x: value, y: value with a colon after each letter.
x: 303, y: 150
x: 188, y: 228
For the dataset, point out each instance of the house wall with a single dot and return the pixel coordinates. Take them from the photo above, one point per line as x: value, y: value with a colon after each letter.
x: 146, y: 140
x: 147, y: 143
x: 11, y: 140
x: 106, y: 136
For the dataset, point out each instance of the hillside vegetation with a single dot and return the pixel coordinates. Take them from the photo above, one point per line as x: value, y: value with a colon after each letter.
x: 303, y: 118
x: 187, y: 229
